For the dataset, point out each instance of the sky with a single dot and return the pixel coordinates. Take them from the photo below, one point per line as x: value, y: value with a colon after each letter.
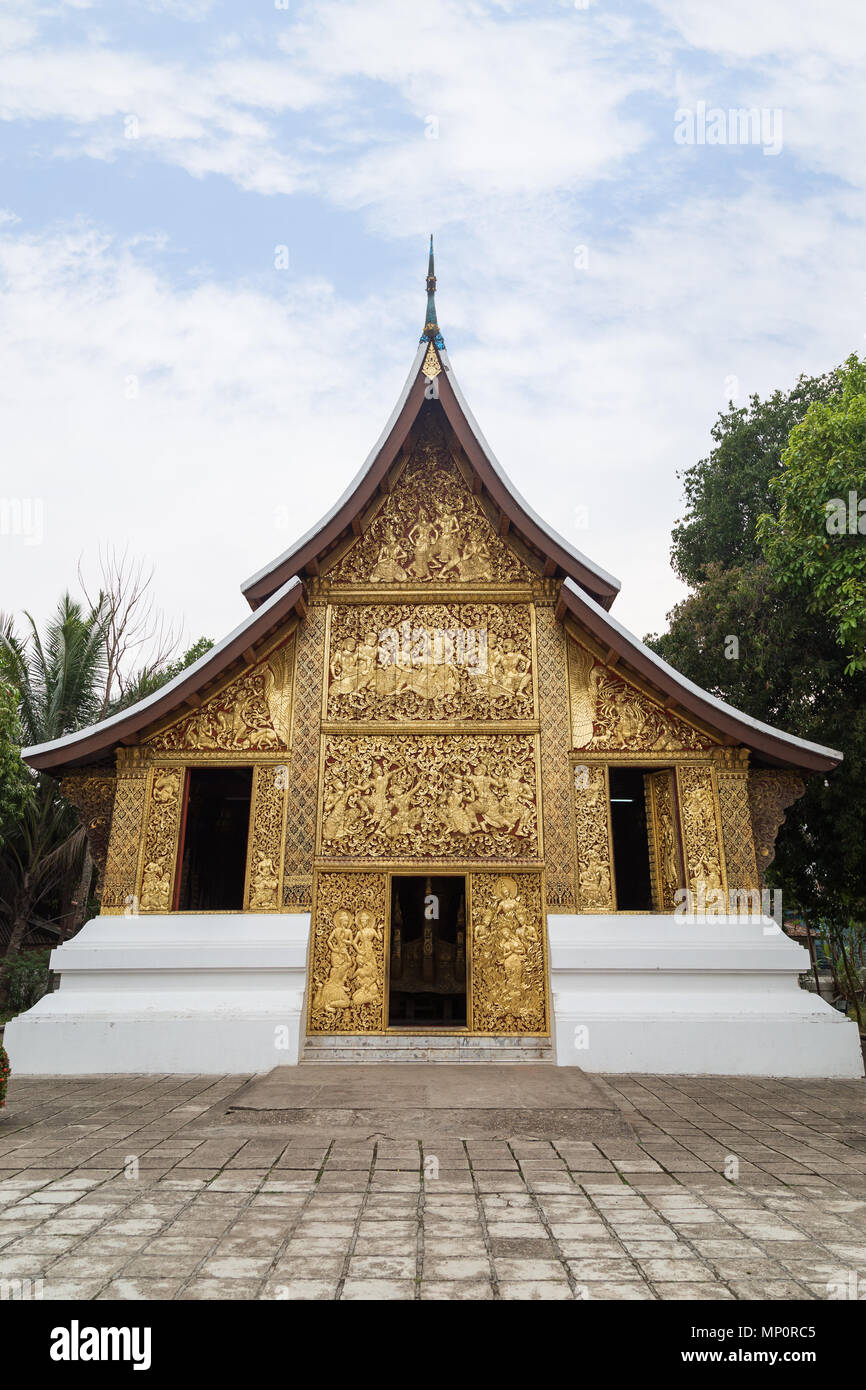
x: 213, y: 237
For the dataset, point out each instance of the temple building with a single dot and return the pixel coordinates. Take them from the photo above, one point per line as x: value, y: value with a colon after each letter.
x: 431, y: 800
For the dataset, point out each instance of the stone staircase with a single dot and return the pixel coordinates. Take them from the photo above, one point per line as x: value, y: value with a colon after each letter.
x: 426, y: 1047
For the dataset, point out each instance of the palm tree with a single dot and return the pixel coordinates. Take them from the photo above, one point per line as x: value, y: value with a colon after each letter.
x: 59, y: 682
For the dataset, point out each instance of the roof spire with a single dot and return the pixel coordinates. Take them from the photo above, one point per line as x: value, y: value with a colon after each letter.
x: 431, y: 327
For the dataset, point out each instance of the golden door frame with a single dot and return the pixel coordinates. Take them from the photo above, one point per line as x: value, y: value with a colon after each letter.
x: 699, y: 847
x: 481, y: 1012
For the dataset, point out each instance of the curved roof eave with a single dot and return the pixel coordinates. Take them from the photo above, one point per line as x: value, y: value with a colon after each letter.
x: 582, y: 562
x: 86, y: 744
x: 773, y: 744
x: 591, y: 576
x: 288, y: 556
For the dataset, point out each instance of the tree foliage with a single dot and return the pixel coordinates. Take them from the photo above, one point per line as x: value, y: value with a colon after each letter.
x: 51, y: 684
x: 815, y: 538
x: 790, y: 670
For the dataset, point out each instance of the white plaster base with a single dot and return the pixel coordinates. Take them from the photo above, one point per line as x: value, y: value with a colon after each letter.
x: 712, y: 995
x: 188, y: 993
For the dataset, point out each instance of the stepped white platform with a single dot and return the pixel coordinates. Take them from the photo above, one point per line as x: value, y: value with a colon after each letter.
x: 708, y: 995
x: 219, y: 993
x: 225, y: 994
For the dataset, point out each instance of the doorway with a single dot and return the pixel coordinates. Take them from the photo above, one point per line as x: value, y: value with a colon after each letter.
x: 628, y: 818
x: 216, y: 825
x: 427, y: 959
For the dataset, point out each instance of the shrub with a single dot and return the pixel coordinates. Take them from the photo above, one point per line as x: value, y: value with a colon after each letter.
x: 25, y: 979
x: 4, y: 1074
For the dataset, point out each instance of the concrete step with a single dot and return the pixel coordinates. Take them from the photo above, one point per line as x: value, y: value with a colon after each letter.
x: 426, y: 1047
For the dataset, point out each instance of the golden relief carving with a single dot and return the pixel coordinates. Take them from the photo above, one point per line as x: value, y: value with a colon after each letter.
x: 430, y: 528
x: 160, y: 839
x: 127, y: 823
x: 664, y: 842
x: 555, y: 742
x: 771, y: 792
x: 92, y: 795
x: 431, y: 662
x: 594, y: 841
x: 429, y: 797
x: 701, y: 830
x: 737, y: 835
x: 267, y: 831
x: 304, y: 763
x: 432, y: 366
x: 508, y: 958
x: 347, y: 954
x: 609, y: 714
x: 252, y: 714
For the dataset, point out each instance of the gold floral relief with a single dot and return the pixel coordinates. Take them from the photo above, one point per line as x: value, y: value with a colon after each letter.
x: 556, y: 776
x: 430, y: 662
x: 431, y: 528
x: 608, y: 714
x: 508, y: 968
x: 160, y: 839
x: 595, y: 880
x: 347, y: 954
x: 267, y: 837
x: 701, y: 829
x: 127, y: 824
x: 251, y: 714
x: 92, y: 795
x: 429, y: 797
x: 771, y: 792
x: 304, y: 762
x: 733, y: 779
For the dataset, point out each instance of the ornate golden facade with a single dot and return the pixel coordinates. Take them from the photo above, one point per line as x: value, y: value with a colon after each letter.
x: 431, y: 712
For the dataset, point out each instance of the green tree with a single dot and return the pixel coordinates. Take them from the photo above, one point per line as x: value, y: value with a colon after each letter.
x: 63, y: 681
x: 814, y: 539
x: 726, y: 492
x: 790, y: 670
x: 16, y: 783
x: 57, y: 680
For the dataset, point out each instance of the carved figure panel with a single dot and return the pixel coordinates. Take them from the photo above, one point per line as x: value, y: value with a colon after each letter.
x: 595, y: 881
x: 437, y: 662
x: 160, y: 839
x: 251, y: 714
x: 508, y: 959
x: 347, y: 954
x: 610, y: 715
x: 429, y: 797
x: 267, y: 822
x: 771, y: 792
x: 430, y: 529
x: 665, y: 856
x: 701, y: 830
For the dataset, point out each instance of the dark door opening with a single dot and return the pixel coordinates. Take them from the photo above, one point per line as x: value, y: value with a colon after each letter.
x: 216, y: 828
x: 630, y: 843
x: 427, y: 967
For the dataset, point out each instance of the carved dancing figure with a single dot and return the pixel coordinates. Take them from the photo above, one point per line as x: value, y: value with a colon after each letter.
x: 388, y: 569
x: 333, y: 993
x: 423, y: 536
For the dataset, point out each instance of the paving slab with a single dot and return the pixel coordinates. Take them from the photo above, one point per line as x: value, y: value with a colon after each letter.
x: 465, y: 1099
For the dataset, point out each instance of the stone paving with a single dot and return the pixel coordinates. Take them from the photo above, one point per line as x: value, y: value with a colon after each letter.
x: 143, y: 1187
